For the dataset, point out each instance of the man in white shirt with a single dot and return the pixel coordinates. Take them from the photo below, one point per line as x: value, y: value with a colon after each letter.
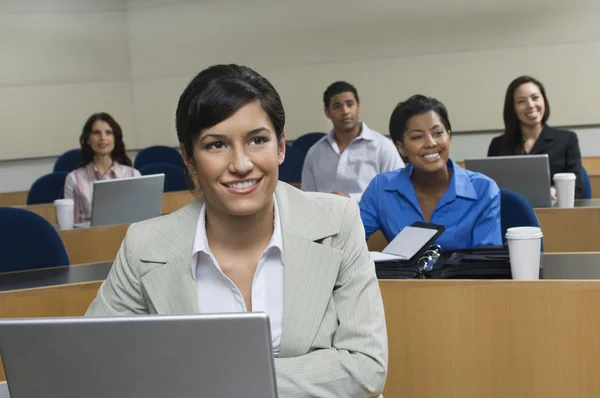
x: 346, y: 160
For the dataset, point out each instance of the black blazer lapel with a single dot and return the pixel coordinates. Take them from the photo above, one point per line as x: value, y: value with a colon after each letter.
x: 544, y: 141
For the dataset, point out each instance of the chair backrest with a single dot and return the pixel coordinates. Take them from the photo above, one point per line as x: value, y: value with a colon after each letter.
x: 304, y: 142
x: 158, y: 154
x: 290, y: 170
x: 47, y: 188
x: 28, y: 241
x: 175, y: 179
x: 516, y: 211
x: 68, y: 160
x: 587, y: 184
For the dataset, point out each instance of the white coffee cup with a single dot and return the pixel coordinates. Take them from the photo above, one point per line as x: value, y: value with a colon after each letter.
x: 65, y: 213
x: 524, y: 247
x: 565, y: 189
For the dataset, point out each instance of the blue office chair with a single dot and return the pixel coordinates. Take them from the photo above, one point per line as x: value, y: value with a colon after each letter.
x: 47, y: 188
x: 28, y: 241
x: 516, y: 211
x: 303, y: 143
x: 174, y: 176
x: 587, y: 184
x: 67, y: 161
x: 158, y: 154
x: 290, y: 170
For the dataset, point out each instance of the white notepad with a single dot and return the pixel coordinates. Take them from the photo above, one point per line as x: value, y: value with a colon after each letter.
x: 405, y: 245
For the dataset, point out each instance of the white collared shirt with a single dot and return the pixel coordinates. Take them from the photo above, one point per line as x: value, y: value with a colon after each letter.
x: 326, y: 169
x: 218, y: 294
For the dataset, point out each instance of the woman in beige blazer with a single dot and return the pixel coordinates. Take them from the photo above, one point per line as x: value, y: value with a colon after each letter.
x: 253, y: 243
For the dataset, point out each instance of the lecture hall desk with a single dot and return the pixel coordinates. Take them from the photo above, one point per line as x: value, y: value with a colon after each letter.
x: 595, y: 181
x: 85, y: 245
x: 565, y: 230
x: 447, y: 338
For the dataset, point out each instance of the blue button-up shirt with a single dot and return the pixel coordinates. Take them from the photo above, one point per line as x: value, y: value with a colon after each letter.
x: 469, y: 209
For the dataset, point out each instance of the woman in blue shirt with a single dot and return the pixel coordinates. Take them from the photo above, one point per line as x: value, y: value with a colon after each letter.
x: 432, y: 188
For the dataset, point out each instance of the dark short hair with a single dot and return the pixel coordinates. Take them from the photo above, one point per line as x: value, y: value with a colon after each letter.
x: 415, y: 105
x: 512, y: 140
x: 87, y: 154
x: 338, y: 88
x: 219, y: 91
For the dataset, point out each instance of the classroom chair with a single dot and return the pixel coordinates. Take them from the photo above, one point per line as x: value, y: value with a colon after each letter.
x: 158, y: 154
x: 290, y: 170
x: 304, y: 142
x: 47, y: 188
x: 68, y: 161
x: 587, y: 184
x: 28, y: 241
x: 516, y: 211
x: 174, y: 176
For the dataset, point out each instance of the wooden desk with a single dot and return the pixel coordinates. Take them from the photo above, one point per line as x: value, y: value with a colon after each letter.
x: 92, y: 245
x: 591, y: 163
x: 595, y: 181
x: 462, y: 339
x: 493, y: 338
x: 13, y: 198
x: 570, y: 230
x: 565, y: 230
x: 47, y: 211
x: 171, y: 202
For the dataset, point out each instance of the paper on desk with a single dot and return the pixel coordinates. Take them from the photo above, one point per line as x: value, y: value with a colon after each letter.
x: 380, y: 257
x: 405, y: 245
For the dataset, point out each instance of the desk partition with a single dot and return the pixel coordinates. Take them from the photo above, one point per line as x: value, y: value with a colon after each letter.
x: 595, y: 182
x: 91, y: 245
x: 449, y: 338
x: 565, y: 230
x: 493, y: 339
x: 570, y: 230
x: 171, y: 202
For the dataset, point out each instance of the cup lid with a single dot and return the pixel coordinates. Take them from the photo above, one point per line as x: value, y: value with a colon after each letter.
x: 524, y: 233
x: 564, y: 176
x: 64, y: 202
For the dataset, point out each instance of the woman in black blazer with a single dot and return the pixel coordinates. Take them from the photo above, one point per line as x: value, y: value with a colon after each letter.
x: 526, y: 110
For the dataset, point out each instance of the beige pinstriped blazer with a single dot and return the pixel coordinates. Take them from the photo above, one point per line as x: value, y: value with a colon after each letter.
x: 334, y: 340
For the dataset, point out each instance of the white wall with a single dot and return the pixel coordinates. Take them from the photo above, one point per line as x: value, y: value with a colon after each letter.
x: 64, y: 59
x: 463, y: 52
x: 61, y: 60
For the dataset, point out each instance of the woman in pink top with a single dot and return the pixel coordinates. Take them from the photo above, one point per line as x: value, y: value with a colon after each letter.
x: 103, y: 157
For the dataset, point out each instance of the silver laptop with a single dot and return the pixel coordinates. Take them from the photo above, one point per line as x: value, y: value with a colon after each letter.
x: 219, y: 355
x: 126, y: 200
x: 528, y: 175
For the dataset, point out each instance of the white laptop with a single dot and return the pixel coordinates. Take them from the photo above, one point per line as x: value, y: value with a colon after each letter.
x: 528, y: 175
x: 151, y: 356
x: 126, y: 200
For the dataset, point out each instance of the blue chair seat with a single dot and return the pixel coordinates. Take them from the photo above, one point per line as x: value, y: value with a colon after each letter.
x: 516, y: 211
x: 587, y: 184
x: 68, y: 161
x: 47, y: 188
x: 175, y: 179
x: 304, y: 142
x: 158, y: 154
x: 28, y: 241
x: 290, y: 170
